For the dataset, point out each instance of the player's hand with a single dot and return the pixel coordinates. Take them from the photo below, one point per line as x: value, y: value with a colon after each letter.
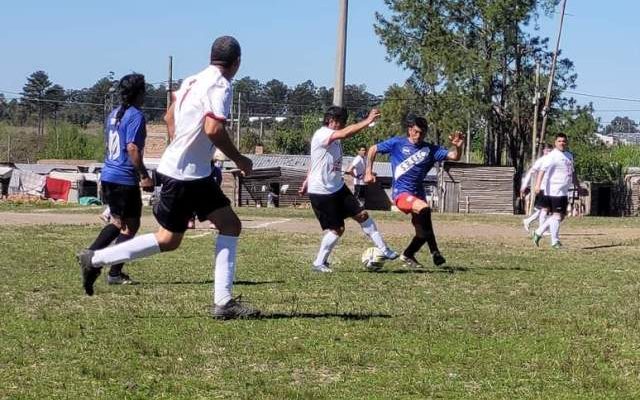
x: 536, y: 190
x: 457, y: 139
x: 303, y: 189
x: 244, y: 164
x: 374, y: 114
x: 146, y: 184
x: 369, y: 178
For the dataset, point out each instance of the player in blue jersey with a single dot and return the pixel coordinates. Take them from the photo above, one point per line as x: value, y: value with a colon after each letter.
x: 124, y: 172
x: 411, y: 159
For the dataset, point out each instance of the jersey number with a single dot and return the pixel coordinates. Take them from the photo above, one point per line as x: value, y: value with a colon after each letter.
x: 113, y: 146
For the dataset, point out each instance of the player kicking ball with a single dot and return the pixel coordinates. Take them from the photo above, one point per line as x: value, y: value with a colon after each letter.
x: 411, y: 159
x: 331, y: 199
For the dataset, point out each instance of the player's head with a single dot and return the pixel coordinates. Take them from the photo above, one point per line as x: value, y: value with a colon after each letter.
x: 417, y: 128
x: 131, y: 90
x: 335, y: 117
x: 225, y: 54
x: 362, y: 150
x: 561, y: 142
x: 547, y: 148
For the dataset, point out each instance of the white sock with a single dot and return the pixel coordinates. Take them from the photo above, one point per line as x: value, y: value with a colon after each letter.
x: 532, y: 217
x: 328, y: 243
x: 370, y: 229
x: 138, y: 247
x: 542, y: 228
x: 224, y: 269
x: 555, y: 229
x: 543, y: 217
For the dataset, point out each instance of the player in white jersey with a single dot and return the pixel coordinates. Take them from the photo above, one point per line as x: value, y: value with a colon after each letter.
x: 557, y: 173
x: 331, y: 200
x: 196, y: 121
x: 356, y: 169
x: 539, y: 212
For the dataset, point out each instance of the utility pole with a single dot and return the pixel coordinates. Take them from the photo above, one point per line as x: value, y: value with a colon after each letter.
x: 536, y: 106
x: 341, y: 52
x: 170, y: 81
x: 547, y: 101
x: 238, y: 126
x: 468, y: 145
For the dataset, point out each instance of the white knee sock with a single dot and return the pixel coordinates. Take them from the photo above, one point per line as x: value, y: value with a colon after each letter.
x: 542, y: 228
x: 225, y: 268
x: 532, y: 217
x: 555, y: 229
x: 138, y: 247
x: 370, y: 229
x: 328, y: 243
x: 543, y: 217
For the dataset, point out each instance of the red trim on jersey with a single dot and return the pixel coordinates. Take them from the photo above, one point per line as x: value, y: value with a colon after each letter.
x: 404, y: 202
x: 217, y: 118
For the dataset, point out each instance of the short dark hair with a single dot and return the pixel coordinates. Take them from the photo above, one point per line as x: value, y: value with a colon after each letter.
x: 548, y: 146
x: 561, y: 135
x: 225, y: 50
x: 130, y: 88
x: 335, y: 113
x: 414, y: 120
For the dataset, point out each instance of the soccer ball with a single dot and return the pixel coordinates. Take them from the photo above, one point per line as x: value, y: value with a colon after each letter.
x: 373, y: 259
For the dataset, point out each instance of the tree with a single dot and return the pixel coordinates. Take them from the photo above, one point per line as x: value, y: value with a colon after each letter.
x: 621, y: 125
x: 33, y: 93
x: 277, y: 94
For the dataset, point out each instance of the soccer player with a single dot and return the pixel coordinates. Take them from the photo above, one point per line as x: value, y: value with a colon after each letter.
x: 556, y: 173
x: 124, y: 172
x: 196, y: 120
x: 411, y: 160
x: 331, y: 200
x: 356, y: 169
x: 539, y: 212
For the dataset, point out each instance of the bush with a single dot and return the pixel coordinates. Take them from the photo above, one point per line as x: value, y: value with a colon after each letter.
x: 66, y: 141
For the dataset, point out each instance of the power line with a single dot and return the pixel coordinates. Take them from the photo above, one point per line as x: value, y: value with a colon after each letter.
x: 603, y: 97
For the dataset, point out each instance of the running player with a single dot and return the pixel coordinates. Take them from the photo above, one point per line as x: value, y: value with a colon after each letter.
x: 197, y: 121
x: 124, y: 172
x: 356, y: 169
x: 556, y: 173
x: 411, y: 160
x: 331, y: 199
x: 539, y: 212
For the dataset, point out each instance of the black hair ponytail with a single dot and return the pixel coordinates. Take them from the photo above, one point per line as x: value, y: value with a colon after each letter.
x: 130, y: 87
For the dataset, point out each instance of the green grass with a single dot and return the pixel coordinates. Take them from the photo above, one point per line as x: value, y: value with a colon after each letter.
x: 507, y: 322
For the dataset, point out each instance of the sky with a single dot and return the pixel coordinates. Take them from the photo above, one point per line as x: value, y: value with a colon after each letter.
x: 77, y: 42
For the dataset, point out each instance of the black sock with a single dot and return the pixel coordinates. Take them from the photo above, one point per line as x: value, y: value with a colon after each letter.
x: 425, y: 222
x: 116, y: 269
x: 414, y: 246
x: 107, y: 235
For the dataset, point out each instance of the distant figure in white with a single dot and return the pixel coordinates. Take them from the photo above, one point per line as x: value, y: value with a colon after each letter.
x: 556, y: 173
x: 539, y: 211
x: 356, y: 169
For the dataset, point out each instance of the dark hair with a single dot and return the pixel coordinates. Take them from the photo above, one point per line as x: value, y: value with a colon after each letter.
x: 414, y: 120
x: 225, y: 50
x: 548, y: 146
x: 130, y: 88
x: 561, y: 135
x: 335, y: 113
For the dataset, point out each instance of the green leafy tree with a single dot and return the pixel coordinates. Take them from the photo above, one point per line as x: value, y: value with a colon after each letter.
x: 621, y: 125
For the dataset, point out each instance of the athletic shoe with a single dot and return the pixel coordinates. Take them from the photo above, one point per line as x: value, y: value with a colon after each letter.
x: 235, y: 308
x: 556, y: 246
x: 121, y: 279
x: 526, y: 225
x: 438, y: 260
x: 410, y: 262
x: 322, y: 268
x: 536, y: 239
x: 390, y: 254
x: 88, y: 271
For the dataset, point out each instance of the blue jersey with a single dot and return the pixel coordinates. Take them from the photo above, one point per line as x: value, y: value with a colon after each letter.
x: 131, y: 129
x: 410, y: 163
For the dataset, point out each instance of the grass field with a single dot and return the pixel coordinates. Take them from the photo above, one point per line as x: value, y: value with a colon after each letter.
x: 507, y: 321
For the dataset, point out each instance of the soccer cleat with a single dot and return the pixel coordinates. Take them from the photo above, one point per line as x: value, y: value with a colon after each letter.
x: 526, y: 225
x: 322, y: 268
x: 235, y: 308
x: 557, y: 246
x: 410, y: 262
x: 438, y: 260
x: 88, y: 271
x: 121, y: 279
x: 536, y: 239
x: 390, y: 254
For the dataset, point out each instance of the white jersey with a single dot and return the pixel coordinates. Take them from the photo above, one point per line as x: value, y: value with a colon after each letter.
x: 535, y: 168
x: 325, y: 173
x: 558, y: 170
x: 358, y: 164
x: 206, y: 94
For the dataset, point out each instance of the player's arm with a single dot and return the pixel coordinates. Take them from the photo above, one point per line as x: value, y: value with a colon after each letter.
x: 457, y: 140
x: 525, y: 181
x: 169, y: 119
x: 217, y: 133
x: 352, y: 129
x: 369, y: 177
x: 539, y: 178
x: 350, y: 170
x: 135, y: 156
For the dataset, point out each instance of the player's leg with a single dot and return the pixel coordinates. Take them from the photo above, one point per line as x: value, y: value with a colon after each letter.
x: 420, y: 208
x: 559, y: 207
x: 327, y: 210
x: 111, y: 230
x: 545, y: 221
x: 131, y: 213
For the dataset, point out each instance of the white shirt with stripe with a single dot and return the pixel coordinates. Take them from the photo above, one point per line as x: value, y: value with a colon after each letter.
x: 325, y: 172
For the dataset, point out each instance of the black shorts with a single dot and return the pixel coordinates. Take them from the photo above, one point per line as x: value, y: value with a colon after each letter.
x: 360, y: 191
x: 332, y: 209
x: 556, y: 204
x: 180, y: 200
x: 539, y: 200
x: 124, y: 201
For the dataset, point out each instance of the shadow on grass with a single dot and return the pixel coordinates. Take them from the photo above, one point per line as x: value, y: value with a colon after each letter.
x: 209, y: 281
x: 603, y: 246
x: 441, y: 270
x: 344, y: 316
